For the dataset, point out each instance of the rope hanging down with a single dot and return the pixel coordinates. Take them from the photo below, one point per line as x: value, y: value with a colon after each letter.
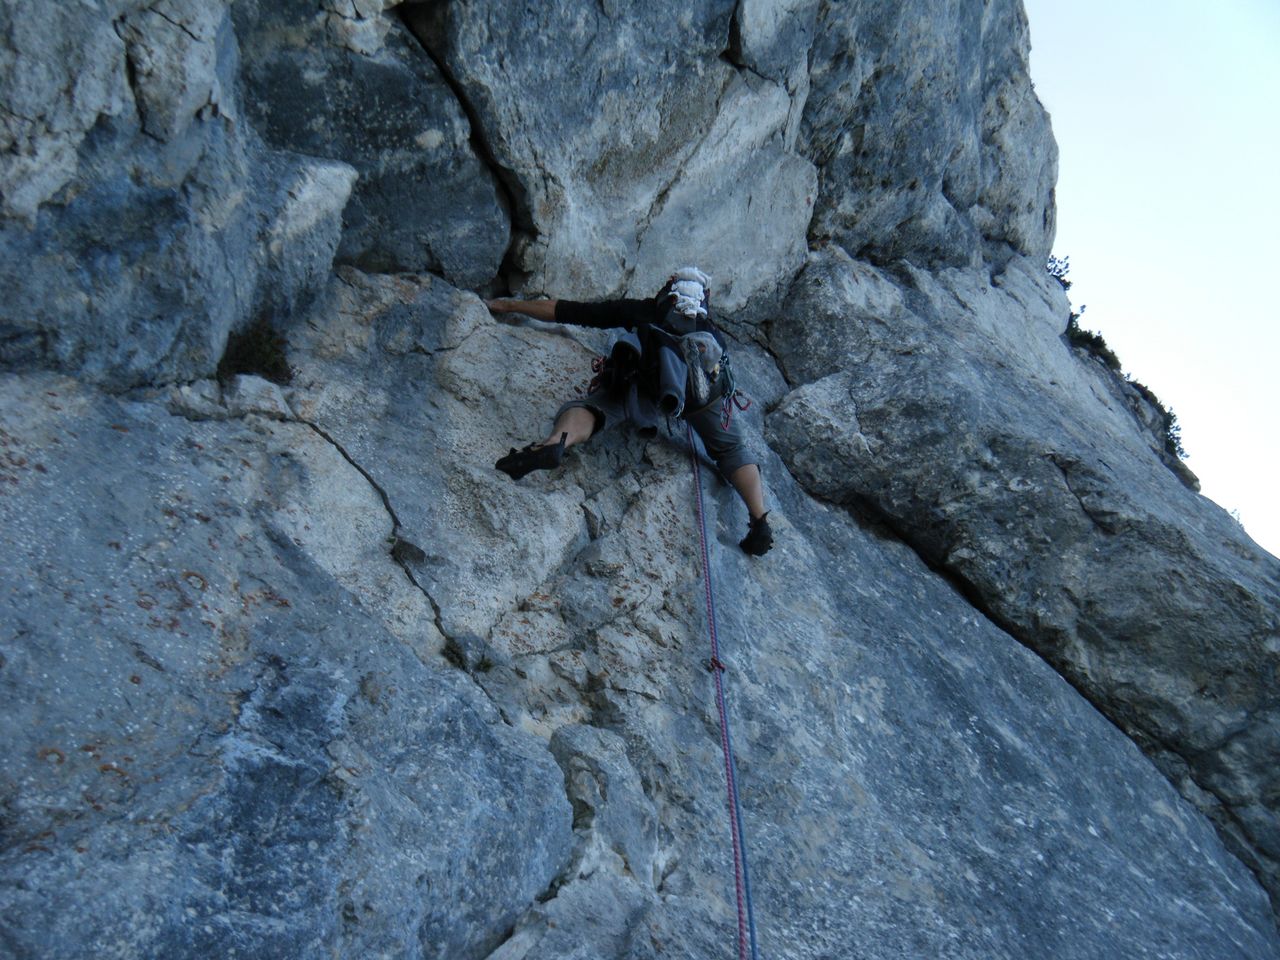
x: 741, y: 875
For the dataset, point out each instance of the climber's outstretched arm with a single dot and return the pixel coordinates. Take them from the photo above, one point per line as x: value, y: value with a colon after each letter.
x: 538, y: 309
x: 602, y: 315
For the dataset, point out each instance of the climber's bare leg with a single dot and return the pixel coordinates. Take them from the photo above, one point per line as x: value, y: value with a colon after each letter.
x: 578, y: 422
x: 746, y: 480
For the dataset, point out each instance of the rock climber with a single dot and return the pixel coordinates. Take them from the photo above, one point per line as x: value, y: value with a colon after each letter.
x: 670, y: 362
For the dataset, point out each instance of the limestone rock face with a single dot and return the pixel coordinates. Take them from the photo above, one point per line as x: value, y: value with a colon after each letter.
x: 348, y: 82
x: 1017, y: 467
x: 289, y: 670
x: 634, y: 144
x: 248, y: 733
x: 399, y: 673
x: 142, y: 219
x: 931, y: 143
x: 46, y: 120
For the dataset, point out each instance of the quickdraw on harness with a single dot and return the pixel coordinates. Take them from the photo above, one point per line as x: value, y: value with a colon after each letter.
x: 715, y: 666
x: 597, y: 369
x: 729, y: 396
x: 733, y: 397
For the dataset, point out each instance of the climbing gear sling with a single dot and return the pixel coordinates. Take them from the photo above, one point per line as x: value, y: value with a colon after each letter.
x: 741, y: 874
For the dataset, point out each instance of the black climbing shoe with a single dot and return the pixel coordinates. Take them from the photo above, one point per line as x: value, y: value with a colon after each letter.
x: 533, y: 457
x: 759, y: 537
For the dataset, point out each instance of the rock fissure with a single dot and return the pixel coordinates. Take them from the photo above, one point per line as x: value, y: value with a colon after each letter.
x: 405, y: 553
x: 1241, y: 838
x: 422, y: 351
x: 457, y: 660
x: 377, y: 487
x: 424, y: 22
x: 402, y: 551
x: 1100, y: 518
x: 133, y: 81
x: 865, y: 509
x: 732, y: 53
x: 748, y: 71
x: 155, y: 9
x: 503, y: 940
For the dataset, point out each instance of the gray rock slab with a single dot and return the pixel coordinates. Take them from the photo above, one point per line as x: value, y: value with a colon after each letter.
x: 899, y: 754
x: 954, y: 411
x: 210, y: 636
x: 914, y: 780
x: 46, y: 119
x: 642, y: 152
x: 292, y: 671
x: 213, y: 738
x: 931, y: 143
x: 157, y: 223
x: 351, y: 84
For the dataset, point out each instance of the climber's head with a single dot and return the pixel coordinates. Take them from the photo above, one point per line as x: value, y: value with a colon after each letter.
x: 688, y: 292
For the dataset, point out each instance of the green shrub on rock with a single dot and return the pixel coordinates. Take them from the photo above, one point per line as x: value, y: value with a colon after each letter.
x: 1095, y: 345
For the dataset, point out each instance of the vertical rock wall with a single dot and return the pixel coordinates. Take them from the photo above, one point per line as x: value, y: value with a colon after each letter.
x: 290, y: 670
x: 931, y: 143
x: 1023, y: 471
x: 344, y: 81
x: 143, y: 219
x: 641, y: 142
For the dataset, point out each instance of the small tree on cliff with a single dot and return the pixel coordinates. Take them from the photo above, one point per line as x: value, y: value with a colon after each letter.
x: 1096, y: 346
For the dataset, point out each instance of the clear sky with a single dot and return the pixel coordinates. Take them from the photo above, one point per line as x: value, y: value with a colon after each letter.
x: 1167, y: 118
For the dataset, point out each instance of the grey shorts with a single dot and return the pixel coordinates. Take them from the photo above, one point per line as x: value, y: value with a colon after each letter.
x: 726, y: 446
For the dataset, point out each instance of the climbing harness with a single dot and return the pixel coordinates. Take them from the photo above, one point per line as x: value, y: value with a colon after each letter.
x: 715, y: 666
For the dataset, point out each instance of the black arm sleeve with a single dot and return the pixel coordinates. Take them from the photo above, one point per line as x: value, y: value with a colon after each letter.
x: 607, y: 315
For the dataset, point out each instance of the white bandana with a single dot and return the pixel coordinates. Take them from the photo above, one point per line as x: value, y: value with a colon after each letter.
x: 689, y: 290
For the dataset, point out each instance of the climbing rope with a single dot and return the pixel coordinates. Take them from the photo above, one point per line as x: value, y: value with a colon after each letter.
x: 741, y: 875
